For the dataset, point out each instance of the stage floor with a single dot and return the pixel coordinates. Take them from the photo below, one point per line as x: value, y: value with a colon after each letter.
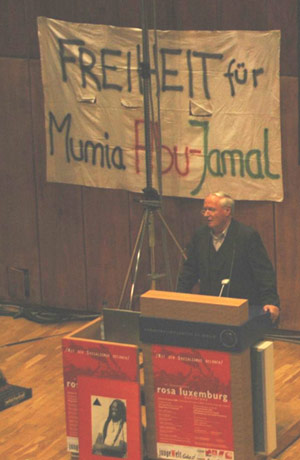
x: 30, y: 356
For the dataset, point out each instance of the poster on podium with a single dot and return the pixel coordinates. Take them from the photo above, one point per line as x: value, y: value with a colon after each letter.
x: 103, y: 362
x: 109, y: 419
x: 193, y: 403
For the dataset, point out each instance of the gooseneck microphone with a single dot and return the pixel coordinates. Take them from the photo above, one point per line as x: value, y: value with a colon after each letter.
x: 224, y: 283
x: 231, y: 268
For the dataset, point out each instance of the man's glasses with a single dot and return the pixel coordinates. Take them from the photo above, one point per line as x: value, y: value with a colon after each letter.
x: 209, y: 210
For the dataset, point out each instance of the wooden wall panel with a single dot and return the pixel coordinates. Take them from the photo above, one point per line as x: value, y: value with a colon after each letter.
x: 191, y: 217
x: 60, y: 219
x: 129, y: 13
x: 13, y: 37
x: 195, y: 15
x: 265, y: 15
x: 184, y: 14
x: 283, y: 16
x: 20, y: 277
x: 107, y: 245
x: 88, y: 11
x: 56, y: 9
x: 288, y: 212
x: 165, y: 14
x: 61, y: 245
x: 243, y: 14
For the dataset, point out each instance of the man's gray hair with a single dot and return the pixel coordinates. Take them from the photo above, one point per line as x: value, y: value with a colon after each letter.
x: 226, y: 201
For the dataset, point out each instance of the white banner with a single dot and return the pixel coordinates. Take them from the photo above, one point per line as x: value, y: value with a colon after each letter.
x: 219, y: 109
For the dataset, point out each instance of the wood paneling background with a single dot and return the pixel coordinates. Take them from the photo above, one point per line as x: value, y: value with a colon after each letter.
x: 69, y: 246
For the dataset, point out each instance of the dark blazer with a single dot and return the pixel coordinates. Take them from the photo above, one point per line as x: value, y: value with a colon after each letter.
x: 242, y: 258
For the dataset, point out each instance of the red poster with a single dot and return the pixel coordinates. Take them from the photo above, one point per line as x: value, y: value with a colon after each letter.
x: 193, y: 403
x: 109, y: 419
x: 96, y: 359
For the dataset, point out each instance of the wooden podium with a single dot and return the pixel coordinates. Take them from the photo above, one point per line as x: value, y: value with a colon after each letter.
x: 198, y: 399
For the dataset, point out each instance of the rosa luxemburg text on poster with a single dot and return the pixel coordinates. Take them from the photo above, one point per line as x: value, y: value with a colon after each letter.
x: 192, y: 403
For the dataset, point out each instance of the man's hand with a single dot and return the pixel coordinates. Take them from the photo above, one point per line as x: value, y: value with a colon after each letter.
x: 274, y: 312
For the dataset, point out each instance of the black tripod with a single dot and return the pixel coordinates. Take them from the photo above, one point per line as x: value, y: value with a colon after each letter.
x: 151, y: 209
x: 152, y: 201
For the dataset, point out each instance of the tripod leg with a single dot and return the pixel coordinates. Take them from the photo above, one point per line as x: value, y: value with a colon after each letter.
x: 138, y: 244
x: 166, y: 258
x: 151, y: 232
x: 138, y: 258
x: 171, y: 235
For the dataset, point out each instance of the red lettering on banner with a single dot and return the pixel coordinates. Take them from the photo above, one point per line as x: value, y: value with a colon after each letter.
x: 181, y: 167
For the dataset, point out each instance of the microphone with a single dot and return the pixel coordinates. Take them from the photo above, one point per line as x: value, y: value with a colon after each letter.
x: 224, y: 283
x: 231, y: 268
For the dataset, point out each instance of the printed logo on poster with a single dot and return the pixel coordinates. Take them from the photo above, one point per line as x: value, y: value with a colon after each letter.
x: 173, y: 452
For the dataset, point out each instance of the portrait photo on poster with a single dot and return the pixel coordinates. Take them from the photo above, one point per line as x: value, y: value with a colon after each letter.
x: 109, y: 429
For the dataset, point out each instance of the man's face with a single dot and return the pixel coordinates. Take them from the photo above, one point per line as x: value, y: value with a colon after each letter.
x: 216, y: 216
x: 115, y: 411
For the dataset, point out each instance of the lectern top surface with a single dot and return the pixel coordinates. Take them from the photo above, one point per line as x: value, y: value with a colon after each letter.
x: 193, y: 307
x: 195, y: 298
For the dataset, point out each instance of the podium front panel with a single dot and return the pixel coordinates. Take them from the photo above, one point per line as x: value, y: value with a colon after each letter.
x: 198, y: 401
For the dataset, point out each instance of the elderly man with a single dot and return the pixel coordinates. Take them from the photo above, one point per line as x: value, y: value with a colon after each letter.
x: 229, y: 258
